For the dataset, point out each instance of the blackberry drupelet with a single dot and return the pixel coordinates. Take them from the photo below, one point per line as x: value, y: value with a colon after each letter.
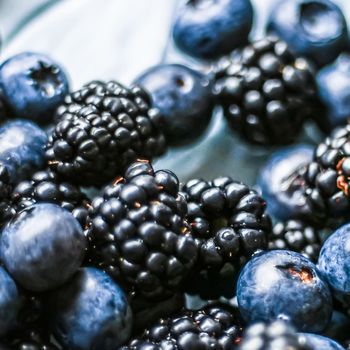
x: 214, y: 327
x: 101, y: 129
x: 229, y: 223
x: 266, y: 92
x: 138, y: 233
x: 47, y: 186
x: 296, y: 236
x: 326, y: 180
x: 274, y: 336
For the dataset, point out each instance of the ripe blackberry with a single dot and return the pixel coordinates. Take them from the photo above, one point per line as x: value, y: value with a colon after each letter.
x: 138, y: 233
x: 296, y: 236
x: 275, y: 336
x: 229, y: 223
x: 101, y: 129
x: 214, y: 327
x: 47, y: 186
x: 325, y: 181
x: 266, y: 92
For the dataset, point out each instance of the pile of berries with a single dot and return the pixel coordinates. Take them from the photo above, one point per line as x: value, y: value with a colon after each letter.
x: 101, y: 249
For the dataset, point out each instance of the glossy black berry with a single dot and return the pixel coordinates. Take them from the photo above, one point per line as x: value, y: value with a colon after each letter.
x: 296, y: 236
x: 101, y: 129
x: 138, y: 233
x: 47, y: 186
x: 266, y: 92
x: 214, y: 327
x: 229, y: 223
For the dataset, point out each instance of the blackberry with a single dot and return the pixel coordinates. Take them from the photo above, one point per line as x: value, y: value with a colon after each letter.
x: 275, y: 336
x: 296, y: 236
x: 138, y: 233
x: 229, y: 223
x: 101, y: 129
x: 47, y: 186
x: 266, y: 92
x: 31, y: 339
x: 214, y: 327
x: 325, y: 181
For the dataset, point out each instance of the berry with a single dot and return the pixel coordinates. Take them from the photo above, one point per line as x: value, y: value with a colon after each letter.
x: 315, y: 29
x: 208, y: 29
x: 338, y: 328
x: 46, y: 186
x: 42, y: 247
x: 21, y: 148
x: 279, y: 183
x: 296, y: 236
x: 284, y: 284
x: 334, y: 263
x: 96, y: 316
x: 33, y: 86
x: 325, y: 180
x: 266, y: 92
x: 229, y: 222
x: 214, y: 327
x: 277, y: 335
x: 31, y: 339
x: 10, y: 302
x: 183, y: 97
x: 101, y: 129
x: 333, y: 85
x: 138, y: 233
x: 318, y: 342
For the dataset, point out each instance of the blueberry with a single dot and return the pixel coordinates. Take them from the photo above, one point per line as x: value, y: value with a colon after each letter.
x: 183, y: 97
x: 334, y: 90
x: 286, y: 285
x: 280, y: 185
x: 334, y: 262
x: 33, y: 86
x: 318, y: 342
x: 208, y: 29
x: 339, y: 326
x: 22, y: 148
x: 42, y: 247
x: 312, y: 28
x: 91, y: 312
x: 10, y: 302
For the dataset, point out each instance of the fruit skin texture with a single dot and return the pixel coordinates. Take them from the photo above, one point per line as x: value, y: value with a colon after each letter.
x: 284, y: 284
x: 277, y: 335
x: 334, y: 261
x: 217, y: 326
x: 102, y: 128
x: 42, y: 247
x: 312, y: 28
x: 21, y: 148
x: 333, y: 84
x: 296, y: 236
x: 209, y: 29
x: 96, y: 316
x: 278, y: 186
x: 33, y: 86
x: 229, y: 223
x: 10, y: 302
x: 183, y: 97
x: 318, y: 342
x: 138, y: 232
x: 266, y: 92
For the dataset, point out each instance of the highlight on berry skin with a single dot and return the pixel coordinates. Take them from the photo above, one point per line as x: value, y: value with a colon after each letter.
x: 174, y: 175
